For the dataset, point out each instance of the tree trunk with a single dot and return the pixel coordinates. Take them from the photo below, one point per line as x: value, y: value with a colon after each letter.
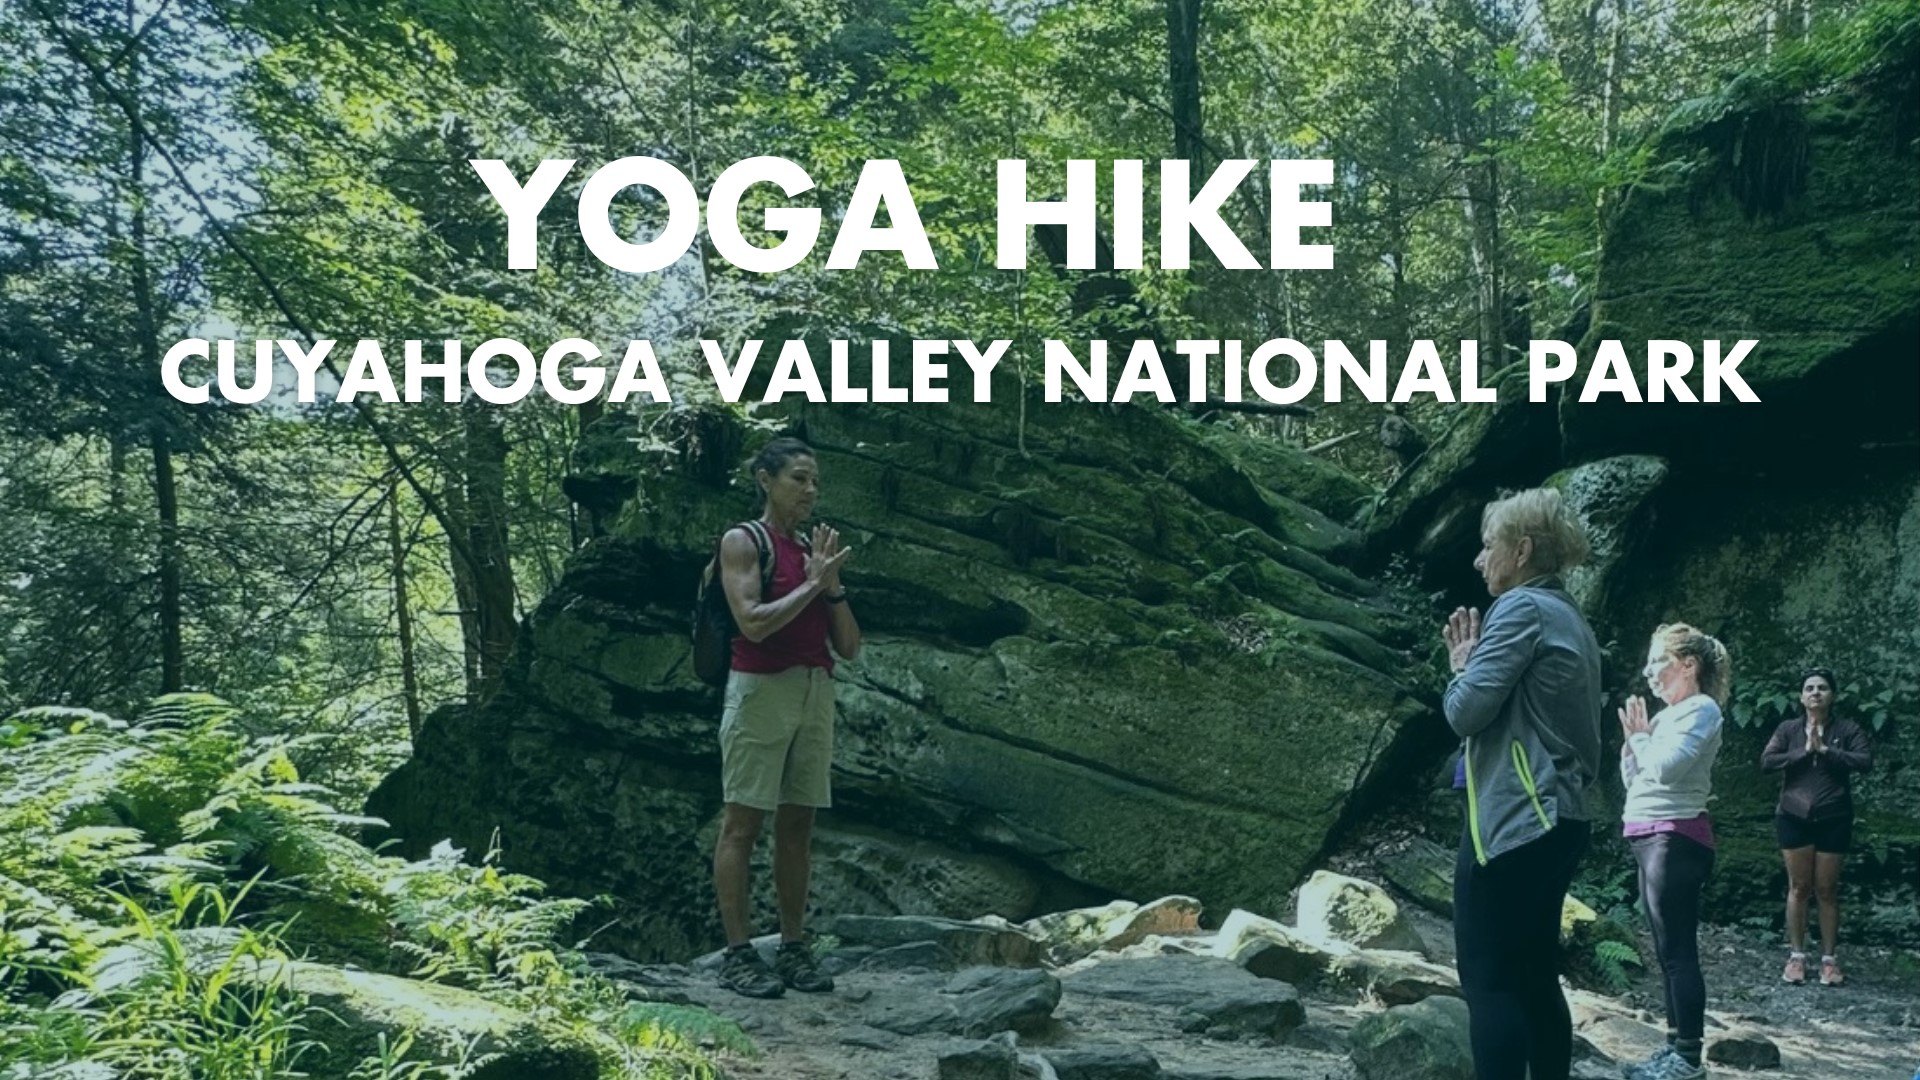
x: 495, y: 609
x: 146, y: 330
x: 1480, y: 189
x: 1481, y: 202
x: 1399, y: 229
x: 466, y: 593
x: 588, y: 414
x: 1611, y: 104
x: 166, y: 497
x: 1183, y: 82
x: 403, y: 613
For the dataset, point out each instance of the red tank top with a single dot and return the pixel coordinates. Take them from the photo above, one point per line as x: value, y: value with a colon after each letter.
x: 803, y: 641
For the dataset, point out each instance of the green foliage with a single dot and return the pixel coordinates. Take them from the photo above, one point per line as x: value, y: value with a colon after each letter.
x: 474, y: 926
x: 1758, y: 704
x: 1611, y: 890
x: 664, y: 1025
x: 120, y: 954
x: 1616, y: 962
x: 1875, y: 699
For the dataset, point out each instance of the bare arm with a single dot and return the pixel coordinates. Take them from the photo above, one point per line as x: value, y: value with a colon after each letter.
x: 757, y: 618
x: 843, y: 630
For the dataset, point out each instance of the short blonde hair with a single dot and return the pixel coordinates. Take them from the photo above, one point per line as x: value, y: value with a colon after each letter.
x: 1716, y: 667
x: 1541, y: 515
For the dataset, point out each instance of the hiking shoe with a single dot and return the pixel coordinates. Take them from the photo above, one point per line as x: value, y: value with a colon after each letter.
x: 1672, y: 1067
x: 1796, y: 972
x: 794, y: 963
x: 744, y: 973
x: 1830, y: 972
x: 1642, y: 1070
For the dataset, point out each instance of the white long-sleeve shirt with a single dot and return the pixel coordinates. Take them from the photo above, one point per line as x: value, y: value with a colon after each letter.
x: 1668, y: 769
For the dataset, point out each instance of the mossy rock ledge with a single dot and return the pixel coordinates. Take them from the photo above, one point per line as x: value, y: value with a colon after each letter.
x: 1788, y: 528
x: 1110, y: 652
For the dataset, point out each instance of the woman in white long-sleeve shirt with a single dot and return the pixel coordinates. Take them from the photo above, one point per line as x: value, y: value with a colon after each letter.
x: 1667, y: 764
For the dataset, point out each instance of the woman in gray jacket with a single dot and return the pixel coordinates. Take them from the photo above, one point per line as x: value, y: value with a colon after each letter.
x: 1667, y: 764
x: 1525, y: 698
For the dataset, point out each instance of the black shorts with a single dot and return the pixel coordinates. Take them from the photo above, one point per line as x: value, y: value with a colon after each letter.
x: 1832, y: 836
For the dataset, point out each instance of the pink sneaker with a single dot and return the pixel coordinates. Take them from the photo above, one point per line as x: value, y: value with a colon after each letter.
x: 1830, y: 972
x: 1796, y: 972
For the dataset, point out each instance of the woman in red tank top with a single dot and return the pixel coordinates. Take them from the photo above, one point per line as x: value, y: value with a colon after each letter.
x: 776, y: 733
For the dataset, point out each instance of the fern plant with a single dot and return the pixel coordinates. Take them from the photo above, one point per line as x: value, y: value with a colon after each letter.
x: 156, y: 875
x: 1615, y: 963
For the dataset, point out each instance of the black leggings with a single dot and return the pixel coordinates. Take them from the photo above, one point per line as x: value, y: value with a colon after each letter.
x: 1506, y: 933
x: 1673, y: 870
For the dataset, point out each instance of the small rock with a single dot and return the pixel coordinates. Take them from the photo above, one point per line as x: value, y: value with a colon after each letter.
x: 1270, y: 950
x: 1316, y: 1038
x: 1585, y: 1050
x: 991, y: 1060
x: 1032, y: 1066
x: 868, y: 1038
x: 1427, y: 1039
x: 1396, y: 978
x: 914, y: 955
x: 1167, y: 915
x: 1072, y: 935
x: 977, y: 1002
x: 1354, y: 911
x: 759, y: 1023
x: 1226, y: 997
x: 1279, y: 1071
x: 982, y: 941
x: 1162, y: 945
x: 1108, y: 1061
x: 1623, y: 1038
x: 843, y: 960
x: 1744, y: 1050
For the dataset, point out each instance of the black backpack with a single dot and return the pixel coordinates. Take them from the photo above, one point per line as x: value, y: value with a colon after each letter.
x: 713, y: 625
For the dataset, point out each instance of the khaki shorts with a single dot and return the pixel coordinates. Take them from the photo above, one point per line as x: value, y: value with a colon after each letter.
x: 776, y: 739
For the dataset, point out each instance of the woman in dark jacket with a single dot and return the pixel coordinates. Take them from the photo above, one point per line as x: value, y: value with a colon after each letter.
x: 1818, y: 752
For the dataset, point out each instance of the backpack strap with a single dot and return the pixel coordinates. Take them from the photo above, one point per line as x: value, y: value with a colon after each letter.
x: 763, y: 543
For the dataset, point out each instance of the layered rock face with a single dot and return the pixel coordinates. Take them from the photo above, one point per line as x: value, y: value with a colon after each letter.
x: 1110, y: 652
x: 1789, y: 528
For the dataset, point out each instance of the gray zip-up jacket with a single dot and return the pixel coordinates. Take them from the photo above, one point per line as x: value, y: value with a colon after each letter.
x: 1528, y: 706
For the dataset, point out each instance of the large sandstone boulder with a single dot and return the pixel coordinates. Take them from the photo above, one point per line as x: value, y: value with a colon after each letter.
x: 1097, y: 641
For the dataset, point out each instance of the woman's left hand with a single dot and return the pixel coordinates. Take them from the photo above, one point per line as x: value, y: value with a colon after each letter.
x: 824, y: 560
x: 1633, y: 718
